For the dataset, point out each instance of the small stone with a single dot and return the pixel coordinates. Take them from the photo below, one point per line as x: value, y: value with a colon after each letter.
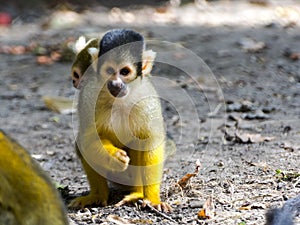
x: 50, y: 153
x: 196, y: 204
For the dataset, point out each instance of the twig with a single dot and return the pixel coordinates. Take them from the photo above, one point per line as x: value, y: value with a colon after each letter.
x: 141, y: 202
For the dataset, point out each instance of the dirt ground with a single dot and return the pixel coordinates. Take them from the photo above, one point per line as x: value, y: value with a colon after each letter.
x: 236, y: 66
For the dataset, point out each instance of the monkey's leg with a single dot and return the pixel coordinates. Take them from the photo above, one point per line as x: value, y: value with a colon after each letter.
x: 152, y: 175
x: 150, y: 166
x: 136, y: 194
x: 98, y: 188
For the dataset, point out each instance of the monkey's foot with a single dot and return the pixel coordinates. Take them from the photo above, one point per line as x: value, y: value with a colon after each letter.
x: 91, y: 199
x: 162, y: 207
x: 133, y: 197
x: 122, y: 160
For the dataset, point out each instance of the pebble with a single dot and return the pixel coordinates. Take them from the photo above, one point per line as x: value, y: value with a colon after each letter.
x: 196, y: 204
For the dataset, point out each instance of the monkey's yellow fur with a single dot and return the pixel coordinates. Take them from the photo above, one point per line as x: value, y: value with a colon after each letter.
x: 125, y: 142
x: 27, y: 196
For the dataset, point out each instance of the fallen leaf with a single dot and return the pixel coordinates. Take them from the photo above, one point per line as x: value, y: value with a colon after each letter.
x: 291, y: 54
x: 118, y: 220
x: 244, y: 106
x: 13, y: 49
x: 245, y: 207
x: 55, y: 56
x: 251, y: 138
x: 258, y: 115
x: 208, y: 210
x: 59, y: 104
x: 256, y: 205
x: 259, y: 2
x: 250, y: 45
x: 18, y: 50
x: 44, y: 60
x: 288, y: 147
x: 185, y: 179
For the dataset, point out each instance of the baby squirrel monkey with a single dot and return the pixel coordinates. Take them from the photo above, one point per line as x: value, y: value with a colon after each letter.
x: 124, y: 141
x: 27, y: 196
x: 86, y: 53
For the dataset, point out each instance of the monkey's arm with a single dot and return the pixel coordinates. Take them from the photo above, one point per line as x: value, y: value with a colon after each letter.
x: 98, y: 157
x: 101, y: 154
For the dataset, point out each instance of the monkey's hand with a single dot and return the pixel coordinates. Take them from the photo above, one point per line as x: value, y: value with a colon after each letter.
x: 119, y: 160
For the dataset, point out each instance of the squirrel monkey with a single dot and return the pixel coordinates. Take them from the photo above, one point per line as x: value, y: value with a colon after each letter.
x: 86, y: 53
x: 27, y: 196
x: 122, y: 139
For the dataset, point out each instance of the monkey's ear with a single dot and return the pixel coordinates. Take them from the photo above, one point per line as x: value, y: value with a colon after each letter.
x: 94, y: 55
x: 80, y: 44
x: 148, y: 59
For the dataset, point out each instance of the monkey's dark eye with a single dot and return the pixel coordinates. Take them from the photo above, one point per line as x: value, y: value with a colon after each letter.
x: 75, y: 75
x: 110, y: 70
x: 125, y: 71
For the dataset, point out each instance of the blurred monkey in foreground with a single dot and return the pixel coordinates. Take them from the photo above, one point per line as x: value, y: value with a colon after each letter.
x: 27, y: 196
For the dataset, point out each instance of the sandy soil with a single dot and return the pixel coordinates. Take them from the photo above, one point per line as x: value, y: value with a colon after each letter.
x: 235, y: 72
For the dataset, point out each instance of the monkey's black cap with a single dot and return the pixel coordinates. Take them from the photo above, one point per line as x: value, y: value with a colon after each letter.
x: 119, y: 37
x: 123, y: 40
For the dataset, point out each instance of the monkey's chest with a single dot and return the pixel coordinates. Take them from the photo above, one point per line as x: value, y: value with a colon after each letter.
x: 116, y: 127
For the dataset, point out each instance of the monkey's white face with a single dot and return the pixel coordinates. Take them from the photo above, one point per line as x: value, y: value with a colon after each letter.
x: 117, y: 76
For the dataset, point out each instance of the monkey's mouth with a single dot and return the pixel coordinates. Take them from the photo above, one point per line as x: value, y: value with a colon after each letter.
x: 117, y: 90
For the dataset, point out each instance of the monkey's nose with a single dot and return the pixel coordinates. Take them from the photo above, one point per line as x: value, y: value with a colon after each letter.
x: 117, y: 89
x: 118, y: 83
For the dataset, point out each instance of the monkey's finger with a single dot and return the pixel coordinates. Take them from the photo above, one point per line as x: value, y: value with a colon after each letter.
x: 122, y: 156
x: 166, y: 207
x: 120, y: 203
x: 158, y: 207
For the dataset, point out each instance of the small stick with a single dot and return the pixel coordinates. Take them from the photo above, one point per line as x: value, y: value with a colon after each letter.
x: 141, y: 202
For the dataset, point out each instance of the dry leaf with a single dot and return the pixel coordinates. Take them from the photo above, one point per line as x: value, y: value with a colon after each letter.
x: 291, y: 54
x: 118, y: 220
x: 288, y: 147
x: 44, y: 60
x: 59, y: 104
x: 259, y: 2
x: 250, y: 45
x: 263, y: 165
x: 13, y: 50
x: 55, y: 56
x: 245, y: 207
x: 251, y: 138
x: 258, y: 115
x: 185, y: 179
x: 255, y: 205
x: 208, y: 210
